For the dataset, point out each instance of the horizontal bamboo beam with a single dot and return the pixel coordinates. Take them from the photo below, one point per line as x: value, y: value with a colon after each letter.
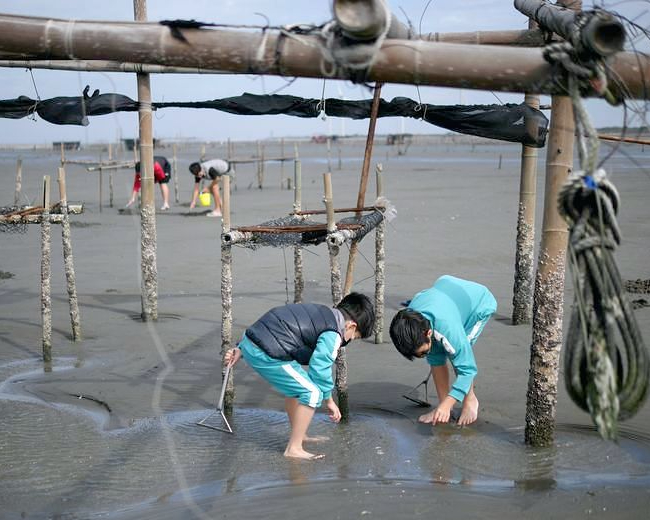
x: 293, y: 229
x: 102, y: 66
x: 339, y: 210
x: 523, y: 38
x: 111, y: 166
x: 35, y: 215
x: 623, y: 139
x: 482, y: 67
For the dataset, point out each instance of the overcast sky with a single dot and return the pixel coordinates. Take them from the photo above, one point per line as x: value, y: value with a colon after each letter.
x: 440, y: 16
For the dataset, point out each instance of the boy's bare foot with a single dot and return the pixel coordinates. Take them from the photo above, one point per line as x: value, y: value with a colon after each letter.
x: 302, y: 454
x: 469, y: 413
x: 427, y: 418
x: 316, y: 438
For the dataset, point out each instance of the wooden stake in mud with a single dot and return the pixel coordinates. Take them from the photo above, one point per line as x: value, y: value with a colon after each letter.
x: 548, y: 299
x: 281, y: 163
x: 46, y: 250
x: 175, y: 176
x: 101, y: 182
x: 380, y: 263
x: 68, y: 260
x: 522, y: 298
x: 19, y: 182
x: 349, y: 275
x: 298, y: 279
x: 341, y: 381
x: 110, y: 176
x: 226, y: 293
x: 149, y: 270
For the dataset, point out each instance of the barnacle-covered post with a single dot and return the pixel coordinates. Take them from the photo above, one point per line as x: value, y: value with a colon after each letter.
x: 341, y: 381
x: 19, y: 181
x: 68, y: 260
x: 298, y: 279
x: 522, y: 297
x: 226, y: 291
x: 548, y: 297
x: 148, y: 263
x: 380, y: 256
x: 46, y: 253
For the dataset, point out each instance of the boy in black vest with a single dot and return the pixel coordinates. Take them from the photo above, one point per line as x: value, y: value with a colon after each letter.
x: 285, y: 338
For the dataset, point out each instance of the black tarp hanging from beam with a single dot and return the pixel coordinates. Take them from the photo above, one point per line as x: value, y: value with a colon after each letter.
x: 510, y: 122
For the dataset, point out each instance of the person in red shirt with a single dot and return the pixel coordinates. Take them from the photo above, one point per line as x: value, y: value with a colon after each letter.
x: 162, y: 173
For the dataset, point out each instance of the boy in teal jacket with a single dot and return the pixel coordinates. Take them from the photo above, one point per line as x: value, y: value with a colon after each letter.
x: 284, y: 339
x: 442, y: 323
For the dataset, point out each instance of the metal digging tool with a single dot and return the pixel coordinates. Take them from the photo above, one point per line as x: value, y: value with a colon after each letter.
x: 225, y: 425
x: 412, y: 395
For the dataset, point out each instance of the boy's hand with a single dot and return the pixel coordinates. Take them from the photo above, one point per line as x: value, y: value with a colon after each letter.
x: 232, y: 356
x: 333, y: 410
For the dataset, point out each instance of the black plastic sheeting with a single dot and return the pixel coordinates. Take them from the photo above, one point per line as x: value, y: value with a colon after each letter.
x: 510, y: 122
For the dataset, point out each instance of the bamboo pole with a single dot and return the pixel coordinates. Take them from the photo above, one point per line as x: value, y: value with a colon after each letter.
x: 175, y: 174
x: 68, y: 260
x: 416, y: 62
x: 623, y: 139
x: 522, y: 298
x: 282, y: 163
x: 298, y: 278
x: 380, y: 264
x: 363, y: 183
x: 549, y: 283
x: 19, y: 182
x: 103, y: 66
x: 226, y: 293
x: 149, y: 295
x: 341, y: 380
x: 110, y: 188
x: 101, y: 175
x: 525, y: 38
x: 46, y: 277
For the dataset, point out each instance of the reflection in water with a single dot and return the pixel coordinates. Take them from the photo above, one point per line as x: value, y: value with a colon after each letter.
x: 57, y: 459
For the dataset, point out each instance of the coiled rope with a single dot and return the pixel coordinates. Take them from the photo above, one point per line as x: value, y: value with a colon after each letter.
x: 606, y: 365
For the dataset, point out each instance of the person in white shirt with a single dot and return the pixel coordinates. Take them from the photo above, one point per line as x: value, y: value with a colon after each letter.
x: 211, y: 170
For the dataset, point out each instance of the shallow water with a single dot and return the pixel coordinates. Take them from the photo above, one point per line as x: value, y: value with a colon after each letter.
x: 59, y: 461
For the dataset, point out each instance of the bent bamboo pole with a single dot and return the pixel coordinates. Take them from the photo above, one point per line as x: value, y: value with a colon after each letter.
x: 397, y: 61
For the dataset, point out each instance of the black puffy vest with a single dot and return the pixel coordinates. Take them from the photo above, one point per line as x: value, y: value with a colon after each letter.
x: 290, y: 332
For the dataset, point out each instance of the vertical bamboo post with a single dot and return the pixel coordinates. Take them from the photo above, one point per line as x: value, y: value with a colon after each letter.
x: 110, y: 176
x: 370, y: 138
x: 298, y: 279
x: 522, y: 298
x: 175, y: 175
x: 548, y: 299
x: 380, y: 263
x: 341, y: 381
x: 149, y: 294
x: 101, y: 176
x: 46, y: 253
x: 340, y: 166
x: 282, y: 163
x: 19, y: 181
x: 62, y: 150
x: 329, y: 154
x: 260, y: 164
x: 202, y: 152
x: 226, y: 292
x: 68, y: 260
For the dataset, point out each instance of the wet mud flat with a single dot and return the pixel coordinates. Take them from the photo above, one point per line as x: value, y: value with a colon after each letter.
x: 110, y: 431
x: 61, y: 460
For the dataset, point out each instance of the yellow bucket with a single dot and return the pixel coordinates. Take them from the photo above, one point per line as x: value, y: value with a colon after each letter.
x: 205, y: 199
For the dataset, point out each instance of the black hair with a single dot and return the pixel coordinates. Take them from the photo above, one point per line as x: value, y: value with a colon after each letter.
x: 408, y: 331
x: 195, y: 168
x: 358, y: 308
x: 137, y: 167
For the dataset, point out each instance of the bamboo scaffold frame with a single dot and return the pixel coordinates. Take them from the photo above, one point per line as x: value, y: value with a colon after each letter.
x: 337, y: 234
x: 279, y: 52
x: 45, y: 216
